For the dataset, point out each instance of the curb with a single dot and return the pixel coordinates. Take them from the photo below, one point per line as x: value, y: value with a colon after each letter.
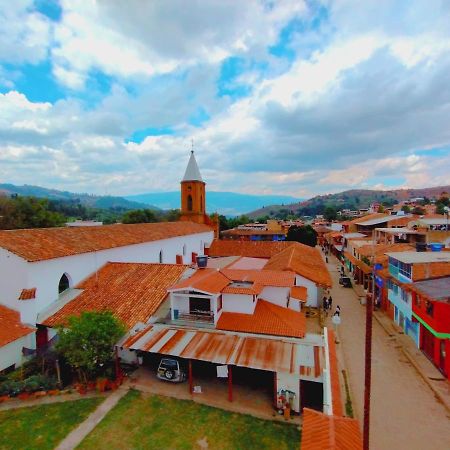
x: 411, y: 359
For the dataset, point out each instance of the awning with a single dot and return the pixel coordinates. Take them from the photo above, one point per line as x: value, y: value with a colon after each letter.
x: 303, y: 360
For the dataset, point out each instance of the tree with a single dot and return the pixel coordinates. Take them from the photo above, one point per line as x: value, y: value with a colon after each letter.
x: 418, y: 210
x: 28, y: 212
x: 330, y: 213
x: 406, y: 209
x: 303, y: 234
x: 87, y: 342
x: 139, y: 216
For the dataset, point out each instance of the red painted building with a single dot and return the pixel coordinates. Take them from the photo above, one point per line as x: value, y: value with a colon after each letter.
x: 431, y: 308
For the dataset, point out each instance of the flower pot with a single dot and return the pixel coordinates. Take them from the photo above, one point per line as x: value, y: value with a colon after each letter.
x: 101, y: 384
x: 24, y: 396
x: 39, y: 394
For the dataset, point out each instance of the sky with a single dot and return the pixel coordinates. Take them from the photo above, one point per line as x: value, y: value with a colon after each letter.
x: 278, y: 97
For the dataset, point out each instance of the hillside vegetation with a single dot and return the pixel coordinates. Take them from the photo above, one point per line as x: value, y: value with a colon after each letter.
x: 352, y: 199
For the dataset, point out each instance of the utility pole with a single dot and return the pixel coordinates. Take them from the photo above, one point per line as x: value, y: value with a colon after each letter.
x: 368, y: 354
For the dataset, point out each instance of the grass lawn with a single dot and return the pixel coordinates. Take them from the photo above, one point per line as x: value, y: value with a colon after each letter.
x: 153, y: 422
x: 43, y: 426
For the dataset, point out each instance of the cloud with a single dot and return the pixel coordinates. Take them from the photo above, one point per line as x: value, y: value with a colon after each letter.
x: 141, y: 39
x: 361, y: 99
x: 25, y: 34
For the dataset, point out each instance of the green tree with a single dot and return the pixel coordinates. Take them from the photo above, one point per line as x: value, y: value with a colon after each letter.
x: 28, y: 212
x: 87, y: 342
x: 303, y: 234
x: 139, y: 216
x: 406, y: 209
x: 330, y: 213
x: 418, y: 210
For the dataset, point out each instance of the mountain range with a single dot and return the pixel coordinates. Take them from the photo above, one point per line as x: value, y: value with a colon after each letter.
x: 226, y: 203
x: 93, y: 201
x: 351, y: 199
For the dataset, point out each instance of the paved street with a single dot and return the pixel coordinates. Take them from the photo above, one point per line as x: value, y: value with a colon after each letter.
x: 404, y: 411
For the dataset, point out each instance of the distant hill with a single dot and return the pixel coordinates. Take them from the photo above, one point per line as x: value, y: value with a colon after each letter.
x: 226, y: 203
x: 352, y: 199
x: 93, y: 201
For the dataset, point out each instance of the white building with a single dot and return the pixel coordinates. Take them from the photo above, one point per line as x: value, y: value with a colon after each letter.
x: 40, y: 266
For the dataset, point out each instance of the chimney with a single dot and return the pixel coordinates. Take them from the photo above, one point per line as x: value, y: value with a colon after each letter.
x: 202, y: 261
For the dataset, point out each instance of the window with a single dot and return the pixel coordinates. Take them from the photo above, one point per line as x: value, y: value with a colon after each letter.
x: 405, y: 269
x: 219, y: 303
x: 189, y: 202
x: 201, y: 203
x: 404, y: 295
x: 64, y: 284
x: 429, y: 308
x: 160, y: 256
x: 184, y: 250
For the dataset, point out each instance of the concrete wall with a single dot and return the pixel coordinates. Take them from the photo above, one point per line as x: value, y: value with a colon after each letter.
x: 276, y: 295
x: 292, y: 383
x: 12, y: 353
x: 17, y: 274
x: 314, y: 292
x: 238, y: 303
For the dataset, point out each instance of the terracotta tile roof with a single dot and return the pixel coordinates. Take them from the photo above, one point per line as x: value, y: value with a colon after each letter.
x: 252, y: 232
x: 27, y: 294
x: 322, y: 432
x: 366, y: 217
x: 47, y: 243
x: 253, y: 289
x: 266, y: 319
x: 299, y: 292
x: 259, y: 249
x: 265, y: 277
x: 334, y: 376
x: 132, y: 291
x: 400, y: 221
x: 206, y: 280
x: 303, y: 260
x: 11, y: 328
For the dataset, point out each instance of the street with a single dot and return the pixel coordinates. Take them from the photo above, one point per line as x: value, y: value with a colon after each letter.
x: 404, y: 412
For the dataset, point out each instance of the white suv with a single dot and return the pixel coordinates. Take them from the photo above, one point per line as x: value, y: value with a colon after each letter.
x: 169, y: 369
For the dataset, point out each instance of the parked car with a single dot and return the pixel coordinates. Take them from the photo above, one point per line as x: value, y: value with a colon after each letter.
x: 170, y: 369
x: 345, y: 282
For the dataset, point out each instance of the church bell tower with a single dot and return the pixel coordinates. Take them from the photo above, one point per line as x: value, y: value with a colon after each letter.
x: 193, y: 197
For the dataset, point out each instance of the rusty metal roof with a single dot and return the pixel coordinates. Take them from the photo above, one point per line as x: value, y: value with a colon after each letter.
x: 305, y: 360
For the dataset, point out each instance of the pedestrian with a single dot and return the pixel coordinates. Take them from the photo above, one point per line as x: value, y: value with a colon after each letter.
x: 330, y: 302
x: 325, y: 303
x: 338, y: 311
x: 326, y: 259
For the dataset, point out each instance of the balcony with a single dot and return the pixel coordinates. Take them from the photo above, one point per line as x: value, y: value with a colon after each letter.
x: 197, y: 319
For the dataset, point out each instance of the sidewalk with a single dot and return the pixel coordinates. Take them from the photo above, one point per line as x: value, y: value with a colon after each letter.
x: 430, y: 374
x: 76, y: 436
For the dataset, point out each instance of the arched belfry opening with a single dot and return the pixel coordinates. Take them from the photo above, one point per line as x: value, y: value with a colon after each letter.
x: 189, y: 202
x: 64, y: 283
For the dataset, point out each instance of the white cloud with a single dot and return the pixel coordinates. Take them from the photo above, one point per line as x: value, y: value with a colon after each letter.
x: 138, y: 38
x: 25, y: 35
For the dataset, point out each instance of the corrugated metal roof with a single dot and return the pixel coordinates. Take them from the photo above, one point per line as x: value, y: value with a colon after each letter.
x: 304, y: 360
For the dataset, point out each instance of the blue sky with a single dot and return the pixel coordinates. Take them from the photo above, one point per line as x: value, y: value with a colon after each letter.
x: 294, y: 97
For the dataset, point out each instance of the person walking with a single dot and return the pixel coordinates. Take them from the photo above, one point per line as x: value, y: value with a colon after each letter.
x: 330, y: 302
x: 338, y: 311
